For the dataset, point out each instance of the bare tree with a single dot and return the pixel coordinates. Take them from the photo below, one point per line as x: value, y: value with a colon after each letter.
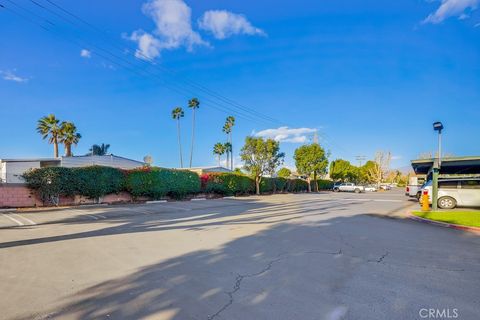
x: 380, y: 167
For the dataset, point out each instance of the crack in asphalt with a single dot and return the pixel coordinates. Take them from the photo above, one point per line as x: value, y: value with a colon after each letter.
x: 268, y: 266
x: 379, y: 260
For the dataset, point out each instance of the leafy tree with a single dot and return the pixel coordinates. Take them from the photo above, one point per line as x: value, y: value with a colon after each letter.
x: 69, y: 136
x: 311, y: 160
x: 49, y: 127
x: 284, y: 173
x: 261, y: 157
x: 99, y: 150
x: 364, y: 172
x: 227, y: 128
x: 219, y: 150
x: 343, y: 170
x: 178, y: 113
x: 193, y: 104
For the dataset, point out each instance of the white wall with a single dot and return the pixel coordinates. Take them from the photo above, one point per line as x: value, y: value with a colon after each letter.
x: 14, y: 170
x: 107, y: 161
x: 3, y: 172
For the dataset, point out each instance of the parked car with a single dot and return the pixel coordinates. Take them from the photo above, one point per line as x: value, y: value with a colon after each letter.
x: 385, y: 187
x: 453, y: 193
x: 348, y: 187
x: 414, y: 191
x: 370, y: 188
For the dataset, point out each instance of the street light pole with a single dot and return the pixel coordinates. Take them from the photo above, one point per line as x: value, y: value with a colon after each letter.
x: 437, y: 126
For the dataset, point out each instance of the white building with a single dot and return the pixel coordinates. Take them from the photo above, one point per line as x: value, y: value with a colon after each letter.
x: 11, y: 170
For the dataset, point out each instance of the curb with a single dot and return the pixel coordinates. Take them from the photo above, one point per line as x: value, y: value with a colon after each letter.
x: 443, y: 224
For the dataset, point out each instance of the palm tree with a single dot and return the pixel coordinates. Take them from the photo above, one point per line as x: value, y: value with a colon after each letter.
x: 228, y: 150
x: 193, y: 104
x: 227, y: 128
x: 49, y: 127
x: 219, y: 150
x: 69, y: 136
x: 99, y: 150
x: 178, y: 113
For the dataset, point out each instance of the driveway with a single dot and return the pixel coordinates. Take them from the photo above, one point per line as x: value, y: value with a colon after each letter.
x: 306, y: 256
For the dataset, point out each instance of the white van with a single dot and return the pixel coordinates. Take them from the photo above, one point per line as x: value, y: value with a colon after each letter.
x: 453, y: 193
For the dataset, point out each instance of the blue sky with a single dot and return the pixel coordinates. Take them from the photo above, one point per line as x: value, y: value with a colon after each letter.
x: 367, y: 75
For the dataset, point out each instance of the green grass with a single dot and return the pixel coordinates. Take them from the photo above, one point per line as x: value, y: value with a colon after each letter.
x: 464, y: 218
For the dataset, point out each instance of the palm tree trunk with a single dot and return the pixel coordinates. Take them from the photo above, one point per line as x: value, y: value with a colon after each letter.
x: 193, y: 137
x: 179, y: 143
x: 228, y: 159
x: 68, y: 150
x: 231, y: 150
x: 315, y: 181
x: 219, y: 160
x: 55, y: 147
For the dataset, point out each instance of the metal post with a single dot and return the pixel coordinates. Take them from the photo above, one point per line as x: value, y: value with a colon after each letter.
x: 437, y: 126
x: 435, y: 188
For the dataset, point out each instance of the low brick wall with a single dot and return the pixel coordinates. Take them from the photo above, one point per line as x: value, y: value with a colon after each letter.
x: 17, y: 195
x: 14, y: 195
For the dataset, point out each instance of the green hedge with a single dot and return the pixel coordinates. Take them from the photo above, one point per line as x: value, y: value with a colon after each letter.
x: 297, y: 185
x: 95, y: 182
x: 322, y: 184
x: 157, y: 183
x: 234, y: 184
x: 51, y: 182
x: 228, y: 184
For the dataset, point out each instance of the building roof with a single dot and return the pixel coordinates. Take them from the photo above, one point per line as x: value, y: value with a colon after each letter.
x: 30, y: 159
x: 450, y: 165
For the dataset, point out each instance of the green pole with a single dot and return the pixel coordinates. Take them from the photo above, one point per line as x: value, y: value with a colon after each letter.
x: 435, y: 189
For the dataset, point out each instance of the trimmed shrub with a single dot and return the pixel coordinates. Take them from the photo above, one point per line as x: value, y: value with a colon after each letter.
x: 267, y: 185
x: 297, y: 185
x: 51, y: 182
x: 157, y: 183
x: 322, y: 184
x: 281, y: 184
x: 228, y: 184
x: 97, y: 181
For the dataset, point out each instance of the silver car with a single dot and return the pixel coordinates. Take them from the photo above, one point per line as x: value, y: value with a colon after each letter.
x: 455, y: 192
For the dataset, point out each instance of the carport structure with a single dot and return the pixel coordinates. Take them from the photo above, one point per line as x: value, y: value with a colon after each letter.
x: 451, y: 167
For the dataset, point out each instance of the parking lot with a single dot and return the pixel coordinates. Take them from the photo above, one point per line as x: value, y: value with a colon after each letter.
x: 304, y: 256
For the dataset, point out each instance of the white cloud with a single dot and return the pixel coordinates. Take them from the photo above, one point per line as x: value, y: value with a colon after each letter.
x: 10, y: 76
x: 452, y: 8
x: 396, y: 158
x: 84, y: 53
x: 173, y: 29
x: 286, y: 134
x: 223, y: 24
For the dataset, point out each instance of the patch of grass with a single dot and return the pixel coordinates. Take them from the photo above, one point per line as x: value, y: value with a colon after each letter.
x: 464, y: 218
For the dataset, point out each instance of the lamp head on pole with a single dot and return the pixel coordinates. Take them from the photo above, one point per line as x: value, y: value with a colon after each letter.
x: 438, y: 126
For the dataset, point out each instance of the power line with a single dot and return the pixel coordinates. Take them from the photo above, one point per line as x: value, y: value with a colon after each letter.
x: 132, y: 67
x: 151, y: 62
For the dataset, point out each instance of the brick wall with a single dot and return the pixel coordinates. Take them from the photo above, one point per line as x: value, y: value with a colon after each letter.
x: 18, y: 195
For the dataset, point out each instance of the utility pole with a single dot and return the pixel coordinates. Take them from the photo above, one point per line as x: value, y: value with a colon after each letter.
x: 360, y: 159
x: 437, y: 126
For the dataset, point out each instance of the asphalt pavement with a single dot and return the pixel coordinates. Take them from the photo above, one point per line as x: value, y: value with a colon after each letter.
x: 305, y: 256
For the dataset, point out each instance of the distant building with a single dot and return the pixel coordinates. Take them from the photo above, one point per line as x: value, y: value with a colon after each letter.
x: 202, y: 170
x: 11, y: 170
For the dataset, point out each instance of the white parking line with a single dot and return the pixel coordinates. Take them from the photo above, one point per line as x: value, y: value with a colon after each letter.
x: 92, y: 216
x: 371, y: 200
x: 22, y: 217
x: 13, y: 219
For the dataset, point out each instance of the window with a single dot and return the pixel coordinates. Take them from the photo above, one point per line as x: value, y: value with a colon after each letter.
x: 471, y: 184
x: 448, y: 184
